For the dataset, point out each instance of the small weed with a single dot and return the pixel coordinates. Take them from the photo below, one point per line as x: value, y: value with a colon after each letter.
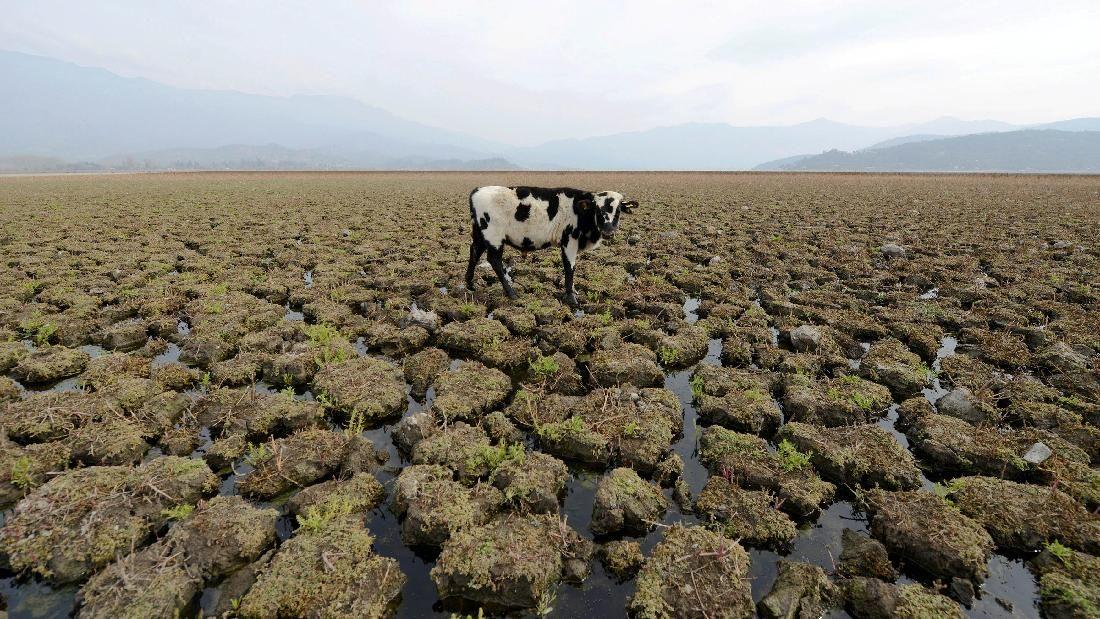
x: 258, y: 454
x: 668, y: 356
x: 468, y: 309
x: 21, y: 473
x: 631, y: 429
x: 544, y: 367
x: 696, y: 386
x: 863, y: 401
x: 1058, y: 550
x: 357, y: 423
x: 790, y: 458
x: 493, y: 457
x: 179, y: 512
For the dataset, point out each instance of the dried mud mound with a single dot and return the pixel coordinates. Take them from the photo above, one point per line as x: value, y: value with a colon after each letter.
x: 791, y: 395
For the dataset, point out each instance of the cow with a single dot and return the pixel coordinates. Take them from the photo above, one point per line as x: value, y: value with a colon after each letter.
x: 535, y: 218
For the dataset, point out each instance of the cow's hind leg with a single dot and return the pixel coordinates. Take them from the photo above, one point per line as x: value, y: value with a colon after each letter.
x: 569, y: 265
x: 496, y: 258
x: 477, y: 247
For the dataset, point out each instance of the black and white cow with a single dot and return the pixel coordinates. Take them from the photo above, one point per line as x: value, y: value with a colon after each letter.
x: 532, y: 218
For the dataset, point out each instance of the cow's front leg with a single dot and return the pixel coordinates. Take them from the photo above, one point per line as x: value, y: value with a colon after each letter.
x: 496, y: 259
x: 569, y: 265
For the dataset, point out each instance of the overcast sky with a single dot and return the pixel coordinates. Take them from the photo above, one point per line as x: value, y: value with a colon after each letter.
x: 524, y: 72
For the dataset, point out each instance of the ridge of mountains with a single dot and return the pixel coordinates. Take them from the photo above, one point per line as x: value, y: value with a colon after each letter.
x: 59, y: 116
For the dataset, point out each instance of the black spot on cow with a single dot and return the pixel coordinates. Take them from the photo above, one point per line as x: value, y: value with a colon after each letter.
x: 552, y: 210
x: 523, y: 212
x: 527, y: 244
x: 484, y: 223
x: 545, y: 245
x: 565, y: 234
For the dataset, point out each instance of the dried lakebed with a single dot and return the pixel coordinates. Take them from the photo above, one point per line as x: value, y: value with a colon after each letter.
x: 785, y: 395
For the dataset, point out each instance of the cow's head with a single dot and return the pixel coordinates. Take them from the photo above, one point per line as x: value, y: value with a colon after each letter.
x: 609, y: 205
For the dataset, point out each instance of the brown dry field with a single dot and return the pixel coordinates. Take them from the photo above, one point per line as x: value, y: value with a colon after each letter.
x: 261, y: 394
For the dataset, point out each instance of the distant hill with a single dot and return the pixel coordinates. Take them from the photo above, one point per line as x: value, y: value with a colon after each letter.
x: 72, y: 113
x: 71, y: 117
x: 1032, y: 150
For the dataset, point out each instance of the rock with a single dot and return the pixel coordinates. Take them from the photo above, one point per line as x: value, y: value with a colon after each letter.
x: 433, y: 506
x: 748, y: 515
x: 626, y: 503
x: 800, y: 590
x: 50, y: 364
x: 357, y: 495
x: 296, y: 461
x: 22, y: 469
x: 412, y: 429
x: 422, y: 368
x: 868, y: 598
x: 473, y: 336
x: 255, y: 415
x: 362, y: 457
x: 534, y: 484
x: 519, y: 321
x: 205, y: 351
x: 224, y: 451
x: 78, y: 521
x: 626, y: 364
x: 929, y: 532
x: 1038, y: 453
x: 113, y: 441
x: 1023, y: 517
x: 636, y: 425
x: 669, y: 470
x: 469, y: 392
x: 126, y: 336
x: 425, y: 319
x: 332, y: 567
x: 175, y: 376
x: 734, y: 398
x: 686, y: 347
x: 961, y: 404
x: 364, y: 387
x: 861, y: 555
x: 51, y: 415
x: 890, y: 363
x: 622, y: 558
x: 1067, y: 582
x: 501, y: 429
x: 227, y: 596
x: 805, y: 338
x: 693, y: 568
x: 863, y: 455
x: 893, y: 250
x: 842, y: 401
x: 462, y: 448
x: 747, y: 459
x: 10, y: 355
x: 478, y: 564
x: 9, y: 390
x: 1069, y: 370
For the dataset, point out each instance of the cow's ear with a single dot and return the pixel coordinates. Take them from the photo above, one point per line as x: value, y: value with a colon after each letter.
x: 628, y: 206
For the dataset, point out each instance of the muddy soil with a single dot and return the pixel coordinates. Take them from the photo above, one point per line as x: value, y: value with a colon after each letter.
x: 783, y: 395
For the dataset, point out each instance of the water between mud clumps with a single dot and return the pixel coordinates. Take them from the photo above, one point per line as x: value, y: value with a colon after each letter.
x: 1009, y: 590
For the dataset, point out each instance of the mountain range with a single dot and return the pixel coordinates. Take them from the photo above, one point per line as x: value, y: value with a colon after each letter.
x: 56, y: 115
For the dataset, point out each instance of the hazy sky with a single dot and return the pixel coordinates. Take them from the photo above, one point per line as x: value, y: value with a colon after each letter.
x: 523, y: 72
